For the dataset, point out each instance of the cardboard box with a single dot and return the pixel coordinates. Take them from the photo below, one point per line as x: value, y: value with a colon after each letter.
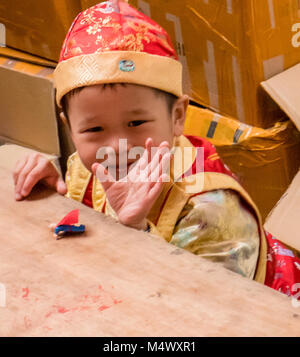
x: 284, y: 88
x: 38, y: 27
x: 227, y: 47
x: 25, y: 57
x: 28, y: 109
x: 28, y: 114
x: 283, y: 222
x: 265, y: 160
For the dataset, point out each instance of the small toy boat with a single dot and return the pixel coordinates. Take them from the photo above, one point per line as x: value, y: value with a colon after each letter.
x: 68, y: 225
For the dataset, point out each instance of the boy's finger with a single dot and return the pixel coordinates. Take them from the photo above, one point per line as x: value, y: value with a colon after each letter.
x: 19, y: 166
x: 94, y: 168
x: 164, y: 144
x: 154, y: 155
x: 160, y: 175
x: 166, y: 163
x: 103, y: 175
x: 61, y: 186
x: 33, y: 177
x: 24, y: 172
x: 156, y: 189
x: 137, y: 172
x: 161, y: 151
x: 143, y: 161
x: 163, y: 168
x: 146, y: 157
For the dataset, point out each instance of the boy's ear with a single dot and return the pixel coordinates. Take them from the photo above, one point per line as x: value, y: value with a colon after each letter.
x: 65, y: 121
x: 63, y: 118
x: 179, y: 114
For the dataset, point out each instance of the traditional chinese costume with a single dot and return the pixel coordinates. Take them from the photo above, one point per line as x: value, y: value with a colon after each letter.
x: 207, y: 213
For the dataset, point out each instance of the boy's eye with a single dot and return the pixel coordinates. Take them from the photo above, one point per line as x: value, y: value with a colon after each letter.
x: 136, y: 123
x: 95, y: 129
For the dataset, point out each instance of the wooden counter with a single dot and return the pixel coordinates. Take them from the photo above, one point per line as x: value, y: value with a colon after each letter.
x: 116, y: 281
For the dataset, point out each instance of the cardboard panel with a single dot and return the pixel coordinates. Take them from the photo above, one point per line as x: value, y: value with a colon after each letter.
x: 28, y: 115
x: 284, y: 88
x: 27, y: 100
x: 25, y: 57
x: 283, y: 222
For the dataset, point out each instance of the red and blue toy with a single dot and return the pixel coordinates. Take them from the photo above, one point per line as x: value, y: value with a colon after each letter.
x: 68, y: 225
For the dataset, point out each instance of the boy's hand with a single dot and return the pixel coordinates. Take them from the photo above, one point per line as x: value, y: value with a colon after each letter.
x: 133, y: 196
x: 32, y: 169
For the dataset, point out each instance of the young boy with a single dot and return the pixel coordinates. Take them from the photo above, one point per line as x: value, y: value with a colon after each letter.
x: 119, y: 78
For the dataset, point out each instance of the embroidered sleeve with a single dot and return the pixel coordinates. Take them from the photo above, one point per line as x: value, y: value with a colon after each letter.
x: 216, y: 226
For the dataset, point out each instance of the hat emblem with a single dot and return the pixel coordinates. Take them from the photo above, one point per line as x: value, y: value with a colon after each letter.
x: 127, y: 66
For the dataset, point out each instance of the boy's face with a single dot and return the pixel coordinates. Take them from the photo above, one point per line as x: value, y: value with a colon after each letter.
x: 102, y: 116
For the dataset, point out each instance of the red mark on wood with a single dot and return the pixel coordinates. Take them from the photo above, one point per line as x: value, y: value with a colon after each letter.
x: 103, y: 307
x: 49, y: 313
x: 88, y: 302
x: 91, y: 298
x: 117, y: 301
x: 26, y: 292
x: 62, y: 310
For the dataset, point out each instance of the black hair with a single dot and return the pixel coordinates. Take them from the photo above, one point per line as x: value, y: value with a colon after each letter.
x: 169, y: 97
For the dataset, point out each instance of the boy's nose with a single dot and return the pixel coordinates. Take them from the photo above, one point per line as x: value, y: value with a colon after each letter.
x: 119, y: 146
x: 125, y: 151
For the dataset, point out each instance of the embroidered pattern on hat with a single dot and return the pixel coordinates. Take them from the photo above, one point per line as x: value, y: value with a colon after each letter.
x: 115, y: 26
x: 92, y: 52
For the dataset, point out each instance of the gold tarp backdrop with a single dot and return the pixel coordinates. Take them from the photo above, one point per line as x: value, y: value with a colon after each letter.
x: 227, y: 47
x: 265, y: 160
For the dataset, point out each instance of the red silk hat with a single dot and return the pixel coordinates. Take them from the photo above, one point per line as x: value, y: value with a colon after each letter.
x: 114, y: 43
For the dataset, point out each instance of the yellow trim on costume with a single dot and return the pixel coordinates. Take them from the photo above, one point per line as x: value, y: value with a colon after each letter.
x: 76, y: 189
x: 154, y: 71
x: 181, y: 162
x: 98, y: 195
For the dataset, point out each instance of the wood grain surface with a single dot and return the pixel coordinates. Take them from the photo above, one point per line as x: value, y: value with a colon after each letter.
x: 116, y: 281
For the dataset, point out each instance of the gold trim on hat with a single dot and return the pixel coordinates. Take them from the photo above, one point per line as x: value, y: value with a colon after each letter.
x: 154, y: 71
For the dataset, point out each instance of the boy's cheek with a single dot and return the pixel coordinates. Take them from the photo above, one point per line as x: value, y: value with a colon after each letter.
x: 87, y: 155
x: 87, y: 162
